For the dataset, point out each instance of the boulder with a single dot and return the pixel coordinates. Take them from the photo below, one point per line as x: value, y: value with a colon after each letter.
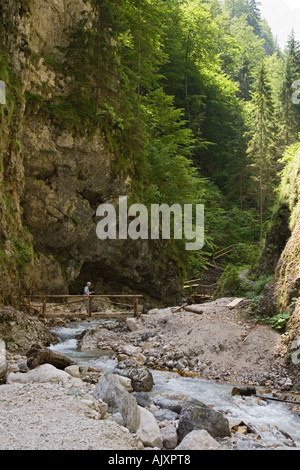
x: 163, y: 414
x: 97, y: 409
x: 195, y: 415
x: 141, y: 377
x: 142, y: 399
x: 45, y: 373
x: 73, y: 370
x: 38, y: 355
x: 198, y: 440
x: 173, y: 402
x: 118, y: 400
x: 125, y: 382
x: 3, y: 362
x: 98, y: 338
x: 148, y: 431
x: 169, y: 435
x: 132, y: 324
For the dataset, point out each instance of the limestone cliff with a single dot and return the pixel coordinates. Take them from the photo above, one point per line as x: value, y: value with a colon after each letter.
x: 284, y: 289
x: 52, y: 180
x: 282, y: 293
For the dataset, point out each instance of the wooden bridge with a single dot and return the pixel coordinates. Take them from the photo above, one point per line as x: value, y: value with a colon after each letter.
x: 199, y: 292
x: 86, y: 303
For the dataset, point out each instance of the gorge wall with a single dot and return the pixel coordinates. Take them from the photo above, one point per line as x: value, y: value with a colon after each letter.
x: 282, y: 293
x: 52, y: 179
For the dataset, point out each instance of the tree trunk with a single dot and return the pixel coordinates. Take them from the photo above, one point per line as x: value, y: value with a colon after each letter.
x: 38, y: 355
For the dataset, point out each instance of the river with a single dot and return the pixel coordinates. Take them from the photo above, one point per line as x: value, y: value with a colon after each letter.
x: 269, y: 419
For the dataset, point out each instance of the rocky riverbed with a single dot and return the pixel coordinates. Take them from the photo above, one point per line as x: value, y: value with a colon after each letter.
x: 87, y: 408
x: 219, y: 344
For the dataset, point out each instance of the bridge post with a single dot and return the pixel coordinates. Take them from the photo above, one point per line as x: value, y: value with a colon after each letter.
x: 136, y: 307
x: 90, y: 307
x: 43, y: 312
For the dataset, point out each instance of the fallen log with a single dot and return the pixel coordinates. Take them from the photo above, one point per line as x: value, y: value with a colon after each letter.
x: 180, y: 308
x: 278, y: 399
x: 38, y: 355
x: 251, y: 391
x: 195, y: 309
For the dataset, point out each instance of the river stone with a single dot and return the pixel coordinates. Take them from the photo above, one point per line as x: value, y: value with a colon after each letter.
x: 164, y: 414
x: 141, y: 377
x: 142, y: 399
x: 125, y: 382
x: 173, y: 402
x: 45, y: 373
x: 148, y: 431
x: 73, y: 370
x: 98, y: 338
x: 198, y: 440
x: 169, y: 435
x: 195, y: 415
x: 133, y: 324
x: 3, y: 362
x: 118, y: 400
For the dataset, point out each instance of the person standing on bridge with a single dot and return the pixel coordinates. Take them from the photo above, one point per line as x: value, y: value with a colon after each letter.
x: 86, y: 295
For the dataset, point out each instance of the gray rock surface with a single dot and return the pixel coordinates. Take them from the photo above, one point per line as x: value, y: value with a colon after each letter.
x: 3, y: 362
x: 198, y: 440
x: 148, y: 431
x: 118, y: 400
x: 195, y: 415
x: 141, y: 376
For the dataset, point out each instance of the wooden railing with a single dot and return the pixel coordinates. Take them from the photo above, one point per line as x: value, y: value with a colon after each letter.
x: 200, y: 290
x: 87, y: 302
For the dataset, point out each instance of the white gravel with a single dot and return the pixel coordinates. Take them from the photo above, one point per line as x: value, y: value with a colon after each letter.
x: 45, y: 417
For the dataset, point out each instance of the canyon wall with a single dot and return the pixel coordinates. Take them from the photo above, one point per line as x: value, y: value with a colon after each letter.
x: 53, y: 179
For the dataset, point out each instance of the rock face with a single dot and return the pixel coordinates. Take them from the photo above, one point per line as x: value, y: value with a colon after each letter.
x: 278, y: 295
x: 285, y: 287
x: 119, y: 401
x: 276, y: 240
x: 20, y: 331
x: 195, y: 415
x: 54, y: 179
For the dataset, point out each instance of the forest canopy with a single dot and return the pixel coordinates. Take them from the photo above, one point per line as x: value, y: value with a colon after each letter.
x: 195, y: 99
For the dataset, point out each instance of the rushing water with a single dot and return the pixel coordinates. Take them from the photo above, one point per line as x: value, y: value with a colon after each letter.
x: 268, y: 418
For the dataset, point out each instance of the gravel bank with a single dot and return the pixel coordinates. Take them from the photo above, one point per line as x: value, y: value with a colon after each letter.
x: 218, y: 344
x: 48, y: 417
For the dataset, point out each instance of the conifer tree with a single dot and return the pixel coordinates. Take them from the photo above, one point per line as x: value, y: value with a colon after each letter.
x: 289, y: 112
x: 261, y: 145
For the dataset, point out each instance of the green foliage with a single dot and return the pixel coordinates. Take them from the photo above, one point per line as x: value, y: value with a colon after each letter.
x: 230, y: 283
x: 261, y: 145
x: 288, y: 190
x: 23, y: 251
x: 288, y: 112
x: 234, y: 283
x: 278, y: 322
x: 179, y: 90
